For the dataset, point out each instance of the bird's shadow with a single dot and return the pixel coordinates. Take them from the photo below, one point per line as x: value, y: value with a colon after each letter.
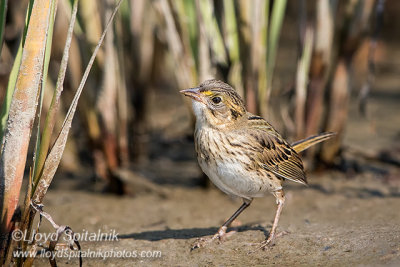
x: 187, y: 233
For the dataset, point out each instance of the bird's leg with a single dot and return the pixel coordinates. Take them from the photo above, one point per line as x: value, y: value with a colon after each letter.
x: 222, y: 230
x: 201, y: 242
x: 280, y: 199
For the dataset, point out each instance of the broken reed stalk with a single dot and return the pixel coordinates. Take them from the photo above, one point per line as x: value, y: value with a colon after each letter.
x: 60, y: 229
x: 38, y: 28
x: 28, y: 214
x: 22, y: 112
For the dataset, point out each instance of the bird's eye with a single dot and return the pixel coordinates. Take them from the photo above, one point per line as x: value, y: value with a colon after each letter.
x: 216, y: 99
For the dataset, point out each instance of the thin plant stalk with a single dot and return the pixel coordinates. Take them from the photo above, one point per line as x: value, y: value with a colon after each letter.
x: 337, y: 117
x: 12, y: 80
x: 205, y: 67
x: 274, y: 31
x: 43, y: 86
x: 230, y: 33
x: 54, y: 157
x: 55, y: 103
x: 277, y: 15
x: 3, y: 12
x: 212, y: 31
x: 185, y: 77
x: 243, y: 20
x: 260, y: 14
x: 321, y: 65
x: 22, y: 111
x: 107, y: 101
x: 231, y: 39
x: 303, y: 69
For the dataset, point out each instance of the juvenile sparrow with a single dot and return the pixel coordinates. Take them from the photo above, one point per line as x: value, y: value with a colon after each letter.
x: 241, y: 153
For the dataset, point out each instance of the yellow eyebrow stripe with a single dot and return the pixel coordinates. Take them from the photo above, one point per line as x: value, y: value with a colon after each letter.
x: 208, y: 93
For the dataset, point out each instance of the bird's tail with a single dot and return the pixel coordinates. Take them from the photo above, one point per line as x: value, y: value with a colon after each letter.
x: 310, y: 141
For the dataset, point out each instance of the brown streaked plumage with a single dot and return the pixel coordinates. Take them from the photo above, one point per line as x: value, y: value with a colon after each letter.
x: 241, y: 153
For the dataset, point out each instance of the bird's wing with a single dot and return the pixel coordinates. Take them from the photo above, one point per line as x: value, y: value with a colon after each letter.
x: 272, y: 152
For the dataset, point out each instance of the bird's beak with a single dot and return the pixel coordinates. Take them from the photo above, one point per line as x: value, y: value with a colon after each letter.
x: 193, y: 93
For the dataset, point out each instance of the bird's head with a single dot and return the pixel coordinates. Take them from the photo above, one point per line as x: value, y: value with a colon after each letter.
x: 216, y: 103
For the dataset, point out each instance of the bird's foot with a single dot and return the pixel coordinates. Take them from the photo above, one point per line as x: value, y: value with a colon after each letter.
x: 268, y: 242
x: 271, y: 240
x: 203, y: 242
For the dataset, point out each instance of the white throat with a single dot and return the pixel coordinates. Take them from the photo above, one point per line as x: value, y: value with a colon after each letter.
x: 198, y: 109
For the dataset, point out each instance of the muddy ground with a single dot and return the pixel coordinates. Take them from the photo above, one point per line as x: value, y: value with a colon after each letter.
x: 333, y: 222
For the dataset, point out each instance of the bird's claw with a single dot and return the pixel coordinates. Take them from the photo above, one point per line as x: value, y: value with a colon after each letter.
x: 271, y: 240
x: 264, y: 245
x: 202, y: 242
x: 267, y: 243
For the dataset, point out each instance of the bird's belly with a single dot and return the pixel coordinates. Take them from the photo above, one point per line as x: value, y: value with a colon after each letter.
x: 230, y: 168
x: 233, y: 179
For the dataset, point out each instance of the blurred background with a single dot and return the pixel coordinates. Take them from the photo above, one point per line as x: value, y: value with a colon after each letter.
x: 306, y: 66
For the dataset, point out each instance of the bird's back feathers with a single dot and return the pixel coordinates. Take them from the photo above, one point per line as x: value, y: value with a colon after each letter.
x: 276, y: 155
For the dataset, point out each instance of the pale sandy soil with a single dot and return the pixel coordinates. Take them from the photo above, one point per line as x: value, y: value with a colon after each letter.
x: 334, y: 222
